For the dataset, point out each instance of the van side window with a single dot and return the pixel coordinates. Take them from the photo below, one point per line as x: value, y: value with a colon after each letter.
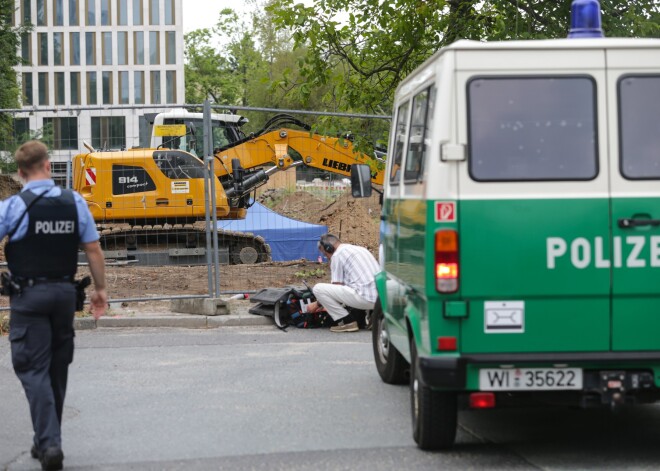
x: 532, y: 128
x: 418, y: 140
x: 399, y: 141
x: 639, y: 131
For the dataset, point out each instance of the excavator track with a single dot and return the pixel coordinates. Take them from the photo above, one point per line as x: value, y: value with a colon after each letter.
x: 178, y: 244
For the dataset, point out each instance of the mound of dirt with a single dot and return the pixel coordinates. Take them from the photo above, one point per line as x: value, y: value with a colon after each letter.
x: 8, y: 186
x: 353, y: 220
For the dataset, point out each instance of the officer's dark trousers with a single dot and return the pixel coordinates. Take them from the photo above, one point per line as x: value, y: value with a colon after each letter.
x: 41, y: 336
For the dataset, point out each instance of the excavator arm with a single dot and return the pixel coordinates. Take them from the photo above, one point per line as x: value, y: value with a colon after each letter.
x: 283, y: 148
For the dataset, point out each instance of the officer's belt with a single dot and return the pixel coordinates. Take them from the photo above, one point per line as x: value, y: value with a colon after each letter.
x: 23, y: 282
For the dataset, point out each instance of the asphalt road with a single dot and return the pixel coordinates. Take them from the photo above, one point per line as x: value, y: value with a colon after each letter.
x: 252, y: 398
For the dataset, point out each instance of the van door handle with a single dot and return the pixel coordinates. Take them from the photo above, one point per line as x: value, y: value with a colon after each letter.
x: 162, y: 202
x: 626, y: 223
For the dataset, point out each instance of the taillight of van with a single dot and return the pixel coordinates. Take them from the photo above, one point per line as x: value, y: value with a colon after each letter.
x: 446, y: 261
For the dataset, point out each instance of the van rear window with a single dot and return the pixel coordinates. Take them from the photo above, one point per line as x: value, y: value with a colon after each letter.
x: 639, y: 127
x: 532, y: 128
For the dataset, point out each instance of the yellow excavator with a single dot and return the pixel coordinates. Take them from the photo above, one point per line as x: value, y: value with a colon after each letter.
x: 149, y: 203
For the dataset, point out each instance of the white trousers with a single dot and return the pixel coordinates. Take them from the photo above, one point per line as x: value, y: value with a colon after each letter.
x: 334, y: 297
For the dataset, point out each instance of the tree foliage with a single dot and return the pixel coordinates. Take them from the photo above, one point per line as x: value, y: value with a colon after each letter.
x: 359, y: 50
x: 9, y: 90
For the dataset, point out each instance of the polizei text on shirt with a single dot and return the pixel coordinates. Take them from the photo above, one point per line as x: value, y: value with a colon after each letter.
x: 54, y: 227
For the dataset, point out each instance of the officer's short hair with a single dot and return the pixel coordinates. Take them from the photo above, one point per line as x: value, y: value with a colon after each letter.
x: 30, y: 155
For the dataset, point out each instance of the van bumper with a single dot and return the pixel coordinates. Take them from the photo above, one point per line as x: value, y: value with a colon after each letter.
x: 442, y: 372
x: 450, y: 372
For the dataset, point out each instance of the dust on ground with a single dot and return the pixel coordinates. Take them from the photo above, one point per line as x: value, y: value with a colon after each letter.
x: 354, y: 221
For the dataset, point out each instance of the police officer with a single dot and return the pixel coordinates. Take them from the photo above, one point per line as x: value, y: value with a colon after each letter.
x: 46, y: 225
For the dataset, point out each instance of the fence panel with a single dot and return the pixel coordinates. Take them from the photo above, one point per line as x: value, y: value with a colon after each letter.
x: 147, y: 194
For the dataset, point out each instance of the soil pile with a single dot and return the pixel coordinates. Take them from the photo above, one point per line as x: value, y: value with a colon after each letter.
x: 8, y: 186
x: 353, y: 220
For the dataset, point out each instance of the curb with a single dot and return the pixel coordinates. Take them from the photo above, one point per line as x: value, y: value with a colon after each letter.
x: 187, y: 322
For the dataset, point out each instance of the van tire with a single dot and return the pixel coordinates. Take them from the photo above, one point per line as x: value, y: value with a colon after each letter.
x: 434, y: 413
x: 391, y: 365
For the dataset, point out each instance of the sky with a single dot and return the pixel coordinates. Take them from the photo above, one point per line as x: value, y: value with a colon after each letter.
x: 204, y: 13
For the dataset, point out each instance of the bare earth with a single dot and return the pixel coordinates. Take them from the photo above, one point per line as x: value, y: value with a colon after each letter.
x: 355, y: 221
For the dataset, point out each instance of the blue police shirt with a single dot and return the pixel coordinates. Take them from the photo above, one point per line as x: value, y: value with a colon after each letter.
x: 13, y: 208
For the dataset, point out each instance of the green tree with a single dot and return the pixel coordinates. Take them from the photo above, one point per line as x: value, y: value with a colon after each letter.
x: 9, y: 90
x: 364, y: 48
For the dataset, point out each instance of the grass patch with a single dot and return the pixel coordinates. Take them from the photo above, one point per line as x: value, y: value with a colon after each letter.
x: 317, y: 273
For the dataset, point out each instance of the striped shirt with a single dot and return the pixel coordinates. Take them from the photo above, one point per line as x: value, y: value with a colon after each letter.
x: 355, y: 267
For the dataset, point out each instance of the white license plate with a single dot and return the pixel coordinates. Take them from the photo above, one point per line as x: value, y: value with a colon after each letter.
x: 530, y: 379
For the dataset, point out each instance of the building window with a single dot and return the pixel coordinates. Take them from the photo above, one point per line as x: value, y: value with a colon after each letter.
x: 154, y: 47
x: 43, y: 48
x: 43, y: 88
x: 138, y: 47
x: 122, y: 12
x: 169, y: 12
x: 58, y: 43
x: 90, y: 8
x: 26, y: 11
x: 155, y: 88
x: 105, y: 13
x: 92, y: 98
x: 22, y: 129
x: 42, y: 13
x: 122, y: 48
x: 106, y: 44
x: 123, y: 88
x: 26, y: 48
x: 73, y: 13
x: 28, y: 96
x: 138, y: 88
x: 154, y: 12
x: 65, y: 132
x: 109, y: 132
x: 107, y: 88
x: 170, y: 47
x: 58, y: 13
x: 75, y: 88
x: 90, y: 48
x: 74, y: 48
x: 138, y: 14
x: 60, y: 98
x: 170, y: 86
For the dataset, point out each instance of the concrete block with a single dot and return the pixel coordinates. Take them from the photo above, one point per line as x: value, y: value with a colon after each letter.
x: 201, y: 306
x: 84, y: 323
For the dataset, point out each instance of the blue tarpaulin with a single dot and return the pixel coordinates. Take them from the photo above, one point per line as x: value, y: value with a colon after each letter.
x: 289, y: 239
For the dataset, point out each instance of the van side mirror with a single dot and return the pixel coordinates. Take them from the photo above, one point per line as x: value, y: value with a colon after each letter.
x: 360, y: 181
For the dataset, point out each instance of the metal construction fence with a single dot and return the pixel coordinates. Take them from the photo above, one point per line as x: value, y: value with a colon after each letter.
x: 145, y: 177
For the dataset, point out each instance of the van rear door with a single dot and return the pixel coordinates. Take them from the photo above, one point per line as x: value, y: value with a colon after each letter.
x: 635, y: 137
x: 534, y: 211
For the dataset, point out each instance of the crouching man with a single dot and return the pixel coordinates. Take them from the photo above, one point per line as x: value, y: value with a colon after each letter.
x: 352, y: 282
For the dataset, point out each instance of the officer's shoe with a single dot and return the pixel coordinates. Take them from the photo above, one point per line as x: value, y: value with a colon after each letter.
x: 34, y: 453
x: 52, y: 458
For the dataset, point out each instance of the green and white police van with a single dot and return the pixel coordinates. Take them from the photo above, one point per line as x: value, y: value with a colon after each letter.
x: 521, y: 228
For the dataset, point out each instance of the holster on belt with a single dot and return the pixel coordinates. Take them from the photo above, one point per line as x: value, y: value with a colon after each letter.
x: 80, y: 291
x: 9, y: 286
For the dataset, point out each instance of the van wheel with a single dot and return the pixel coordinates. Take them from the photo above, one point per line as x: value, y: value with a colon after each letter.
x: 434, y: 413
x: 391, y: 365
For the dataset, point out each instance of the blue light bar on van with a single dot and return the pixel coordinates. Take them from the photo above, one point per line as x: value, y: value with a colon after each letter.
x: 585, y: 19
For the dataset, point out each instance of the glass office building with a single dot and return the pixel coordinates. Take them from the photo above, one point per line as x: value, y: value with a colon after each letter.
x: 95, y: 54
